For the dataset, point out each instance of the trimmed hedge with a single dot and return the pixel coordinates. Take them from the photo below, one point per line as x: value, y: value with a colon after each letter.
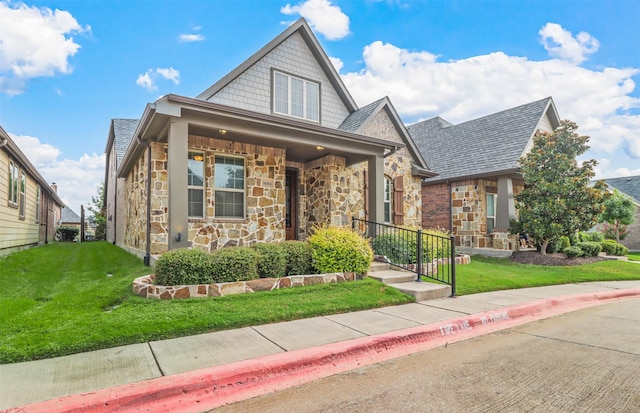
x: 610, y: 247
x: 272, y: 260
x: 234, y: 264
x: 590, y: 236
x: 590, y: 248
x: 336, y: 249
x: 573, y: 252
x: 183, y: 266
x: 298, y: 258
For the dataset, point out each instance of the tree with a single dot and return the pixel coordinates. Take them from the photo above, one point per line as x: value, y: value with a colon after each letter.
x: 618, y: 211
x: 557, y: 199
x: 99, y: 212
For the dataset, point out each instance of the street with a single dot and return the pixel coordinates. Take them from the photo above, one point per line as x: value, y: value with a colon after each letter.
x: 584, y: 361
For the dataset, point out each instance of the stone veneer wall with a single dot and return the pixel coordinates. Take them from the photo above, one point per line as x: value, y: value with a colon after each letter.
x: 135, y: 235
x: 144, y: 286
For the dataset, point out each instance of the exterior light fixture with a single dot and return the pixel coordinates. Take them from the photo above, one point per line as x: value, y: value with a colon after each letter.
x: 198, y: 158
x: 222, y: 131
x: 319, y: 148
x: 179, y: 237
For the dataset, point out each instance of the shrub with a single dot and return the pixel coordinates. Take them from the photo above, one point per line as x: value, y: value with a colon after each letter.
x: 611, y: 247
x: 590, y: 236
x: 591, y: 249
x: 573, y: 252
x: 402, y: 248
x: 336, y: 249
x: 298, y: 258
x: 234, y: 264
x: 272, y: 260
x: 183, y: 266
x: 563, y: 242
x: 609, y: 231
x: 573, y: 238
x: 67, y: 233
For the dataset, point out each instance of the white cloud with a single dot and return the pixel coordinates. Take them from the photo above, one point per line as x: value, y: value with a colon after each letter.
x: 606, y: 169
x: 77, y: 180
x: 337, y: 63
x: 190, y: 37
x: 147, y: 80
x: 323, y: 17
x: 36, y: 42
x: 560, y: 43
x: 421, y: 87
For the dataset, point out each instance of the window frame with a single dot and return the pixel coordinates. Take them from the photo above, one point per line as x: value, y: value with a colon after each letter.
x: 492, y: 216
x: 22, y: 194
x: 12, y: 194
x: 310, y: 104
x: 387, y: 199
x: 191, y: 187
x: 38, y: 203
x: 243, y: 191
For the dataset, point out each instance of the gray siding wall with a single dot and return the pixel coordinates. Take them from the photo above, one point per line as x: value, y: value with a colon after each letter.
x: 251, y: 90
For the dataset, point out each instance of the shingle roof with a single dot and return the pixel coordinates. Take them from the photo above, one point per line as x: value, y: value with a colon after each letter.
x: 68, y: 216
x: 123, y: 130
x: 485, y: 145
x: 629, y: 185
x: 353, y: 122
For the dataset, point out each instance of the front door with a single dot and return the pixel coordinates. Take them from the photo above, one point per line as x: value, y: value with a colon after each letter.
x: 291, y: 191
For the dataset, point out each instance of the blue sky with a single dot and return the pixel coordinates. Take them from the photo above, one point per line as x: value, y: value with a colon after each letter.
x: 68, y: 67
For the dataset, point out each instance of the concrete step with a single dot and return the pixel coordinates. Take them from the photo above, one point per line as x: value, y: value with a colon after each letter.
x: 423, y: 290
x: 393, y: 276
x: 379, y: 266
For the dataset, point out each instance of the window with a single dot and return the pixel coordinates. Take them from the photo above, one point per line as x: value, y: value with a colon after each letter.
x: 296, y: 97
x: 13, y: 183
x: 23, y: 184
x: 491, y: 212
x: 229, y: 187
x: 38, y: 207
x: 388, y: 199
x: 195, y: 184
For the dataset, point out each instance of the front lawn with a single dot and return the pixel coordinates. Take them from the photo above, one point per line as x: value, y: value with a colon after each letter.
x: 634, y: 256
x: 491, y: 274
x: 60, y: 299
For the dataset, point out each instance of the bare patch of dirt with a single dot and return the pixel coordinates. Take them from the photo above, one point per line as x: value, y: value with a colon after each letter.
x: 535, y: 258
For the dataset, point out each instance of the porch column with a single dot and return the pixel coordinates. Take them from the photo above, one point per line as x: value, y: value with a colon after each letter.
x: 177, y: 155
x: 375, y: 167
x: 505, y: 208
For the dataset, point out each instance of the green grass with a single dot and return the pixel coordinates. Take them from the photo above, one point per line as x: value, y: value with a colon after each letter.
x: 634, y: 256
x: 57, y: 299
x: 491, y: 274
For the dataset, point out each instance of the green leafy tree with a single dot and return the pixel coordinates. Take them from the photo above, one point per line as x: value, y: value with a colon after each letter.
x: 557, y: 198
x: 99, y: 212
x: 618, y: 211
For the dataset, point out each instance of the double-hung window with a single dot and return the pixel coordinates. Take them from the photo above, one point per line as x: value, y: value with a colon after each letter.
x: 195, y: 164
x: 491, y: 212
x: 23, y: 185
x: 38, y: 206
x: 13, y: 183
x: 388, y: 199
x: 229, y: 182
x: 296, y: 97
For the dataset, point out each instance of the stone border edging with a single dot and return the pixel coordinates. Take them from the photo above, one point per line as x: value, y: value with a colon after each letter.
x: 216, y: 386
x: 144, y: 286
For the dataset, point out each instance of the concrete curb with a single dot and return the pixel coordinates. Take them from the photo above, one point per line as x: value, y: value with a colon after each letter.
x: 212, y: 387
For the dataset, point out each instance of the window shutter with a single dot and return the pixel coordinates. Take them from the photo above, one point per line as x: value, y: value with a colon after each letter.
x: 398, y: 200
x: 366, y: 195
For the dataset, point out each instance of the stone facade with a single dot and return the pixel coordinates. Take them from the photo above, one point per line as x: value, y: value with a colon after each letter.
x: 144, y: 286
x: 468, y: 212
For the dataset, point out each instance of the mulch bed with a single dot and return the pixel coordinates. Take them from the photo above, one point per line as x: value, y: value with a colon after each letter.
x: 535, y: 258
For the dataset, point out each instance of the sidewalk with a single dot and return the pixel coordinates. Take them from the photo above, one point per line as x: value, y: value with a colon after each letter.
x: 180, y: 373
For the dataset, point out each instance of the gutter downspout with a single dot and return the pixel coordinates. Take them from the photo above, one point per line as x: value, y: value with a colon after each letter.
x: 3, y: 142
x: 115, y: 212
x: 391, y: 152
x: 147, y: 257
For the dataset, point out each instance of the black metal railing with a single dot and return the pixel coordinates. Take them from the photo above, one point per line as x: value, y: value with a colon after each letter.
x: 426, y: 253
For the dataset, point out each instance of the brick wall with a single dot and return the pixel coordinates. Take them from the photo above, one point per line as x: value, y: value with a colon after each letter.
x: 435, y: 206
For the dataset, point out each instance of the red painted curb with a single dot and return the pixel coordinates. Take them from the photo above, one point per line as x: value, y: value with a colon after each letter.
x: 212, y: 387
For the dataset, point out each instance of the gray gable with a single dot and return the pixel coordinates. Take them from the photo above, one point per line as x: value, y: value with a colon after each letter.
x: 123, y: 130
x: 482, y: 146
x: 353, y: 122
x: 68, y: 216
x: 629, y: 185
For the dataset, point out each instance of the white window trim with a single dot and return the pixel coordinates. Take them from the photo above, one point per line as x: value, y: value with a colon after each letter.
x: 493, y: 216
x: 38, y: 203
x: 203, y: 187
x: 305, y: 105
x: 22, y: 194
x: 13, y: 189
x: 388, y: 197
x: 243, y: 190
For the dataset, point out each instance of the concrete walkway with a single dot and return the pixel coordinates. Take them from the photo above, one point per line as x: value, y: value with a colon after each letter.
x: 157, y: 363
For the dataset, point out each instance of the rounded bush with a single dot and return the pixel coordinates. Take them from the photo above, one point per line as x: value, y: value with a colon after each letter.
x: 336, y: 249
x: 591, y: 249
x: 233, y: 264
x: 563, y: 243
x: 183, y: 266
x: 298, y: 258
x: 610, y: 247
x: 402, y: 247
x: 272, y: 260
x: 573, y: 252
x: 590, y: 236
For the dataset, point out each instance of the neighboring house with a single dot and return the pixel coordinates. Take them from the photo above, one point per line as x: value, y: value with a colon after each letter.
x: 120, y: 135
x: 68, y: 218
x: 275, y: 147
x: 629, y: 186
x: 29, y: 207
x: 478, y: 172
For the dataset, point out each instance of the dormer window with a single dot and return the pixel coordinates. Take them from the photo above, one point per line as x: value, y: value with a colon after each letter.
x: 297, y: 97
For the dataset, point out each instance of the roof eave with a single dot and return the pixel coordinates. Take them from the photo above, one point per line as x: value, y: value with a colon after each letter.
x: 492, y: 174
